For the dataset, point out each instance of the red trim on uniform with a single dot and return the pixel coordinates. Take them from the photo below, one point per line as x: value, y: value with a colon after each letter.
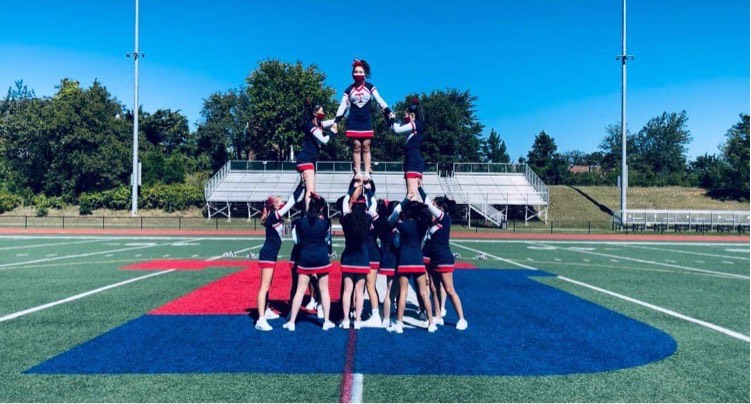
x: 412, y: 174
x: 386, y: 271
x: 426, y: 260
x: 411, y: 269
x: 305, y: 167
x: 444, y: 268
x: 357, y: 134
x: 355, y: 269
x: 374, y: 265
x: 267, y: 264
x: 314, y: 270
x: 313, y: 129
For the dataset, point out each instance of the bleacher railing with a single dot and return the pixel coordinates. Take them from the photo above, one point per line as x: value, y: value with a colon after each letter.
x: 324, y: 166
x: 216, y: 179
x: 712, y: 218
x: 511, y: 168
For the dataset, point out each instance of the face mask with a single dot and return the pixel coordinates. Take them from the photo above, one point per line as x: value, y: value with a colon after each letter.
x: 320, y: 116
x: 359, y: 78
x: 407, y: 119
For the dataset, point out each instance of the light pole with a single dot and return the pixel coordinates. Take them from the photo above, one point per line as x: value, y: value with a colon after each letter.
x: 623, y: 57
x: 135, y: 177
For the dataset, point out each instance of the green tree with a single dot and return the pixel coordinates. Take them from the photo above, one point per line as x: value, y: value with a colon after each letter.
x: 275, y: 91
x: 223, y: 124
x: 166, y: 129
x: 734, y: 180
x: 542, y: 151
x: 662, y: 145
x: 611, y: 146
x: 494, y: 149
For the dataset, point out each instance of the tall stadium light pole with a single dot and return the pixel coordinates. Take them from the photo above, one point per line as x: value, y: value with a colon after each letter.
x: 623, y: 57
x: 135, y: 175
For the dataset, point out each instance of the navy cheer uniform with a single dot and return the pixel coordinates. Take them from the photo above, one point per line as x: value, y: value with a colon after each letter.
x: 410, y: 253
x: 274, y: 228
x: 388, y: 251
x: 311, y: 146
x: 294, y: 256
x: 314, y: 257
x: 357, y: 99
x: 355, y: 258
x: 414, y: 165
x: 441, y: 257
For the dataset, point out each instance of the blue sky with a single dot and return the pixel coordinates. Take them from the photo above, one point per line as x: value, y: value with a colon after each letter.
x: 534, y: 65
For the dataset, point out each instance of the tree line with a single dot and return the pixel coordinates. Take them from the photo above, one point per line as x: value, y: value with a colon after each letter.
x: 79, y: 140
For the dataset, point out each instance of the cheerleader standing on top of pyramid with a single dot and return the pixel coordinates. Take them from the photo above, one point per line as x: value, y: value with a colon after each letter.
x: 357, y: 98
x: 313, y: 127
x: 273, y: 221
x: 412, y: 127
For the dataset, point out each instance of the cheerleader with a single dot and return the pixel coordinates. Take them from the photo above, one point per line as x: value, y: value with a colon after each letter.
x: 312, y: 233
x: 386, y: 232
x: 412, y: 126
x: 374, y: 255
x: 313, y: 286
x: 412, y: 225
x: 356, y: 221
x: 441, y: 268
x: 313, y: 127
x: 273, y: 221
x: 356, y: 100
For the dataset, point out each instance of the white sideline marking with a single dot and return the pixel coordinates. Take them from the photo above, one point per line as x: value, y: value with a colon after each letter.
x: 139, y: 247
x: 660, y: 263
x: 728, y: 262
x: 630, y: 299
x: 356, y: 388
x: 662, y: 310
x: 22, y: 255
x: 695, y: 253
x: 79, y: 296
x: 91, y: 292
x: 51, y: 255
x: 618, y: 243
x: 699, y: 261
x: 493, y: 256
x: 740, y: 250
x: 49, y: 245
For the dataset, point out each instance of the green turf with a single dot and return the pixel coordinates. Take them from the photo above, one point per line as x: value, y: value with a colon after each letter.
x: 708, y: 365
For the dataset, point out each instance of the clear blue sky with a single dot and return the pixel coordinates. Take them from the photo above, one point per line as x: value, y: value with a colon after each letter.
x: 533, y: 65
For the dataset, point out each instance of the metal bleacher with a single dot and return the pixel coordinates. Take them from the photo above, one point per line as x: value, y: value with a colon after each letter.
x: 485, y: 188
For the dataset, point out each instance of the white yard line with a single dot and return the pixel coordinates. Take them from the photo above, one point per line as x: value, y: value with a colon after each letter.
x: 629, y: 299
x: 658, y: 263
x: 596, y: 242
x: 49, y: 244
x: 688, y: 252
x: 79, y: 296
x: 91, y: 292
x: 17, y: 264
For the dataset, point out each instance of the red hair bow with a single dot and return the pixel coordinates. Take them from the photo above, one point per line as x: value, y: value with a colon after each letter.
x: 357, y: 62
x: 415, y: 101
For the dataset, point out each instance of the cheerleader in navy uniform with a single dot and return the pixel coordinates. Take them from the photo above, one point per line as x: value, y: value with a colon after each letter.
x: 313, y: 286
x: 441, y: 258
x: 412, y: 226
x: 273, y: 221
x: 357, y: 99
x: 374, y: 255
x: 412, y: 126
x: 312, y: 234
x: 386, y: 232
x: 356, y: 221
x: 313, y: 127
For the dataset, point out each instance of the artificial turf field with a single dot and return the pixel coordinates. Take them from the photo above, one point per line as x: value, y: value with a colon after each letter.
x: 548, y: 321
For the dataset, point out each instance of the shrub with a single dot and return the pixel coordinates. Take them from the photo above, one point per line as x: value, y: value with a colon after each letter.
x: 9, y: 202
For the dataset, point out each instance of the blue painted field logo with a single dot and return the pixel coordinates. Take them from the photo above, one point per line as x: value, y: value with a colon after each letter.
x: 519, y: 327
